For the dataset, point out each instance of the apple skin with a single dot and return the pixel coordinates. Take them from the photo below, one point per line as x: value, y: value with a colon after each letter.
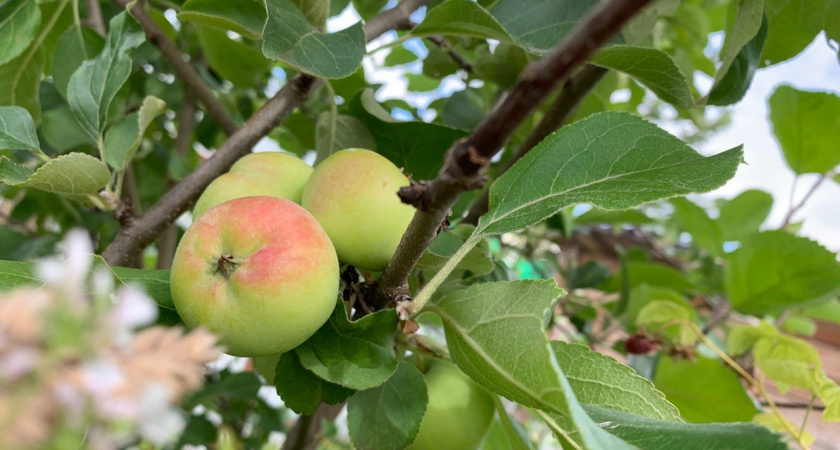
x: 459, y: 412
x: 266, y: 173
x: 353, y: 194
x: 281, y: 287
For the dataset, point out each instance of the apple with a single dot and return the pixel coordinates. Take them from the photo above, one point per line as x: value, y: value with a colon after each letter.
x: 258, y: 271
x: 266, y: 173
x: 459, y: 412
x: 353, y: 194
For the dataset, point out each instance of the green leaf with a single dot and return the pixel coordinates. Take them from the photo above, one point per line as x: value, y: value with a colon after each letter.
x: 416, y: 146
x: 238, y: 62
x: 20, y: 79
x: 732, y: 87
x: 70, y: 174
x: 652, y: 68
x: 506, y: 433
x: 315, y: 11
x: 19, y: 24
x: 290, y: 38
x: 538, y: 25
x: 421, y: 83
x: 670, y: 319
x: 651, y: 434
x: 124, y: 137
x: 388, y: 416
x: 338, y: 132
x: 399, y: 56
x: 639, y: 273
x: 828, y: 311
x: 231, y: 386
x: 744, y: 214
x: 17, y: 274
x: 594, y: 161
x: 76, y: 45
x: 62, y: 132
x: 742, y: 338
x: 522, y: 366
x: 93, y: 86
x: 774, y: 270
x: 368, y: 8
x: 644, y: 294
x: 244, y: 17
x: 600, y: 380
x: 358, y: 355
x: 462, y: 18
x: 302, y: 390
x: 692, y: 219
x: 832, y: 22
x: 17, y: 131
x: 788, y: 361
x: 602, y: 216
x: 743, y: 24
x: 714, y: 394
x: 793, y: 24
x: 477, y: 261
x: 804, y: 124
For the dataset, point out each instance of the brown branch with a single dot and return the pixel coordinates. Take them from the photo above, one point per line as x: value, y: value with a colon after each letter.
x: 94, y: 17
x: 798, y: 206
x: 447, y: 47
x: 145, y: 230
x: 467, y: 160
x: 306, y: 433
x: 185, y: 70
x: 574, y: 91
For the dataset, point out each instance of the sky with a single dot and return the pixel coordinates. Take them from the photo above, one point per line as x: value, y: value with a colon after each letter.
x: 817, y: 68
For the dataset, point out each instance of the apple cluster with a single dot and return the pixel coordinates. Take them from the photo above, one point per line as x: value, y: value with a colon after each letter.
x: 260, y: 264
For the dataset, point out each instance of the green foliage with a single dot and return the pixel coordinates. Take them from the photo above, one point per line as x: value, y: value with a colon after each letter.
x: 301, y: 389
x: 18, y: 27
x: 246, y: 18
x: 801, y: 121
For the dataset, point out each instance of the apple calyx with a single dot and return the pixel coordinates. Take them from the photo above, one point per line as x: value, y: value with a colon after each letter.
x: 226, y: 265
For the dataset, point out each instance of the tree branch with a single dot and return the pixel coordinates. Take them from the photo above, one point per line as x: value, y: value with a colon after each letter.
x: 131, y: 240
x: 305, y: 434
x: 467, y: 160
x: 185, y: 70
x: 455, y: 56
x: 94, y: 17
x: 798, y: 206
x: 574, y: 91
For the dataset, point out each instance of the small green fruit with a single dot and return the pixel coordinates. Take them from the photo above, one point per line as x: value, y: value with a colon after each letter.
x: 459, y: 412
x: 353, y: 194
x: 266, y: 173
x: 258, y: 271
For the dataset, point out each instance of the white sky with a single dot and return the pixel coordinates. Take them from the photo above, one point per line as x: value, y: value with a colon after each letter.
x: 815, y: 69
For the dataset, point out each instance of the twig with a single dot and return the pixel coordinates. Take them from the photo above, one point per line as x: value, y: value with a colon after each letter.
x: 146, y: 229
x: 468, y: 158
x: 94, y: 17
x: 794, y: 208
x: 447, y: 47
x: 185, y: 71
x: 794, y: 405
x: 574, y: 91
x: 720, y: 312
x: 306, y: 433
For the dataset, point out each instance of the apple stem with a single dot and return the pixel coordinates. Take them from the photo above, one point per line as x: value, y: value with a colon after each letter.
x: 226, y: 264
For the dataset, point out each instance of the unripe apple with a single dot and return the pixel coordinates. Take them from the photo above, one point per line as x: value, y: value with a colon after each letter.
x: 258, y: 271
x: 459, y: 412
x: 353, y: 194
x: 266, y: 173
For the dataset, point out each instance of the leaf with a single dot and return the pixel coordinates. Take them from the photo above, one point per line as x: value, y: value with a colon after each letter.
x: 399, y: 56
x: 388, y: 416
x: 368, y: 8
x: 651, y: 434
x: 244, y: 17
x: 17, y: 274
x: 17, y: 131
x: 240, y: 385
x: 62, y: 132
x: 124, y: 137
x: 652, y: 68
x: 505, y: 433
x: 600, y: 380
x: 639, y: 273
x: 521, y: 366
x: 732, y: 87
x: 538, y: 25
x: 462, y: 18
x: 477, y: 261
x: 742, y: 338
x: 774, y: 270
x: 744, y: 214
x: 693, y: 219
x: 611, y: 160
x: 315, y: 11
x: 793, y: 24
x: 302, y: 390
x: 70, y: 174
x: 788, y: 361
x: 358, y: 355
x: 238, y: 62
x: 602, y: 216
x: 19, y: 82
x: 644, y: 294
x: 803, y: 123
x: 290, y: 38
x: 715, y: 393
x: 95, y: 83
x: 743, y: 25
x: 335, y: 133
x: 416, y: 146
x: 670, y: 319
x: 19, y: 24
x: 76, y: 45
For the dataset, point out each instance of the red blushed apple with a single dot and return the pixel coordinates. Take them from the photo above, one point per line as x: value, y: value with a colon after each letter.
x: 258, y: 271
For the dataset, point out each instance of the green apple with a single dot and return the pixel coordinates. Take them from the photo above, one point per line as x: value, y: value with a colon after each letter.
x: 459, y: 412
x: 258, y: 271
x: 353, y: 194
x: 266, y: 173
